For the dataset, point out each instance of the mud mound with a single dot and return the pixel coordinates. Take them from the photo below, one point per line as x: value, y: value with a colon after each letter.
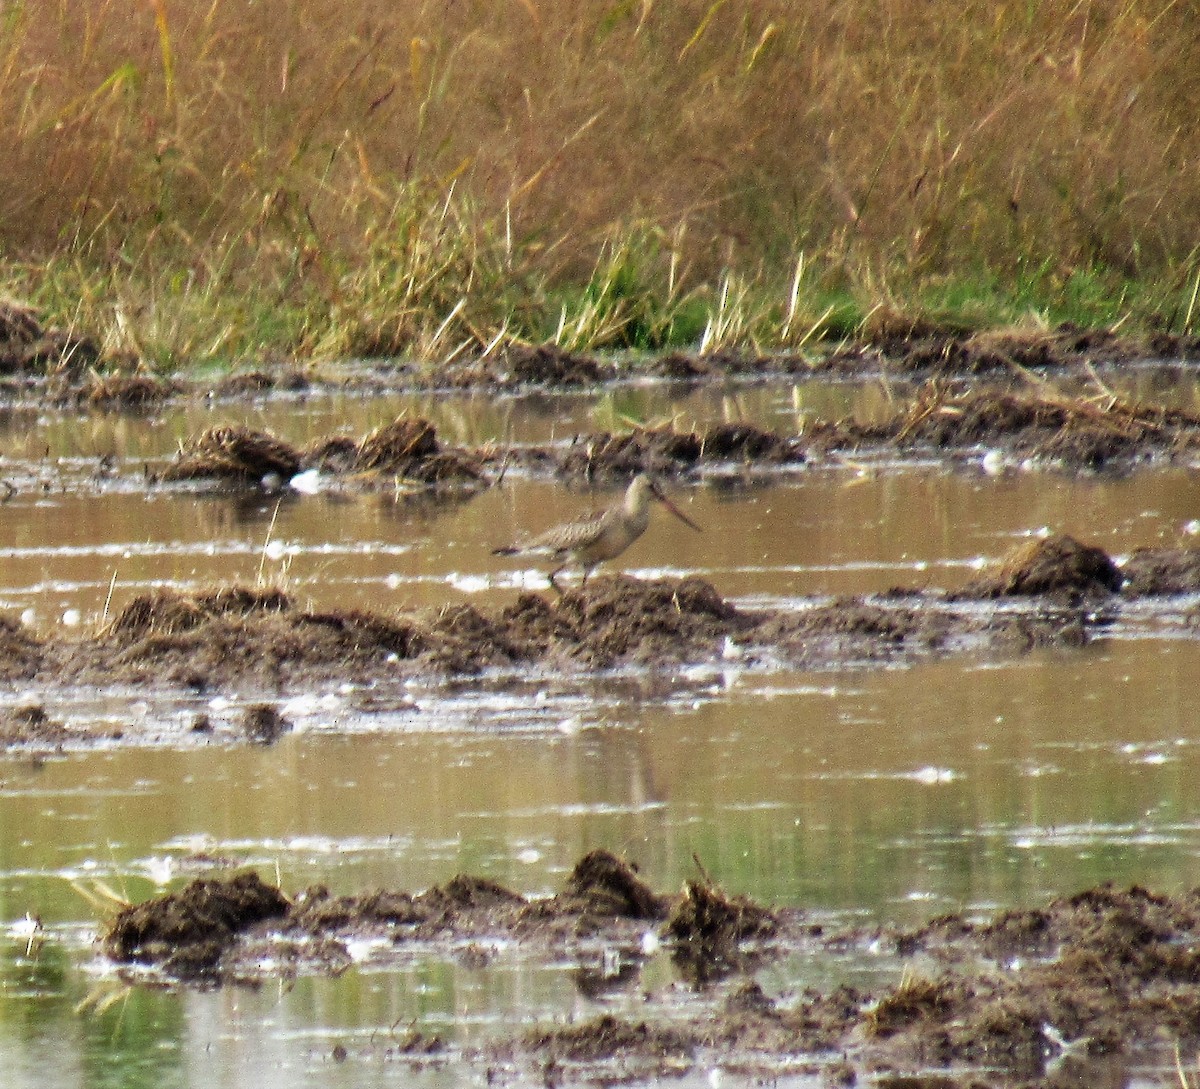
x: 605, y: 1038
x: 623, y: 618
x: 681, y: 366
x: 854, y: 628
x: 1018, y: 996
x: 744, y: 442
x: 230, y: 635
x: 1162, y: 571
x: 1079, y: 432
x: 395, y: 444
x: 316, y: 913
x: 21, y: 654
x: 1121, y: 926
x: 271, y: 645
x: 461, y: 639
x: 602, y: 884
x: 168, y: 612
x: 263, y: 724
x: 31, y: 725
x: 333, y: 454
x: 708, y: 928
x: 187, y: 933
x: 851, y: 616
x: 911, y: 345
x: 126, y: 392
x: 463, y: 892
x: 465, y: 906
x: 1058, y: 566
x: 408, y: 447
x: 370, y: 633
x: 19, y: 323
x: 545, y: 364
x: 1106, y: 965
x: 26, y: 345
x: 234, y: 454
x: 913, y: 1000
x: 655, y: 450
x: 666, y: 451
x: 1006, y: 349
x: 252, y: 383
x: 614, y: 620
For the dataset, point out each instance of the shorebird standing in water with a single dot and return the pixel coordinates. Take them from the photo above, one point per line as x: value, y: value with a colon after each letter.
x: 602, y: 536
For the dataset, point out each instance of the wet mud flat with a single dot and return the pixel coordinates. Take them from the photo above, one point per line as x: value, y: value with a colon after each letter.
x: 1055, y: 592
x: 1045, y: 996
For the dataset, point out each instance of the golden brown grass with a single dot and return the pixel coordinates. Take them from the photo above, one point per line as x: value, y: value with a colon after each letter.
x: 399, y: 175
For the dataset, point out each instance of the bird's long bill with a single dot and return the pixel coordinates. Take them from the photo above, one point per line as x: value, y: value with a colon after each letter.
x: 677, y: 512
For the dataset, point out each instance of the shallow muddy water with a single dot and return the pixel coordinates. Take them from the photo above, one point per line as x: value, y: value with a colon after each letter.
x: 857, y: 793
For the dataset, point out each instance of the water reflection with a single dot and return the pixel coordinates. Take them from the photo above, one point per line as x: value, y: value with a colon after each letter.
x: 893, y: 794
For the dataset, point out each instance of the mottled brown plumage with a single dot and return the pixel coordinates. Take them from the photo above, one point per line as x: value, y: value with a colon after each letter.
x: 600, y: 537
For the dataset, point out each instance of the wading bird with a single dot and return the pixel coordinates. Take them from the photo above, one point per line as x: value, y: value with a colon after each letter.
x: 602, y: 536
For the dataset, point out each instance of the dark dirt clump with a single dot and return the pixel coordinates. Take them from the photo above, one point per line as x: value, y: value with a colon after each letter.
x: 31, y: 726
x: 907, y: 1004
x: 465, y: 892
x: 1154, y: 571
x: 407, y: 448
x: 187, y: 933
x: 893, y: 344
x: 395, y: 444
x: 602, y: 884
x: 601, y: 889
x: 625, y: 619
x: 257, y: 382
x: 168, y: 612
x: 852, y: 628
x: 707, y: 928
x: 1080, y: 433
x: 547, y: 365
x: 263, y: 724
x: 27, y: 346
x: 1057, y: 566
x: 520, y: 365
x: 21, y: 654
x: 316, y: 912
x: 126, y: 392
x: 234, y: 454
x: 668, y: 452
x: 602, y: 1039
x: 215, y: 636
x: 907, y: 345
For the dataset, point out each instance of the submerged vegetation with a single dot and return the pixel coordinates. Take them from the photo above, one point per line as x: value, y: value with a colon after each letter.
x: 255, y: 177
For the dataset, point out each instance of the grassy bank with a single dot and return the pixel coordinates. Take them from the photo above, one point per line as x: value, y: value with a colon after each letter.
x: 391, y: 176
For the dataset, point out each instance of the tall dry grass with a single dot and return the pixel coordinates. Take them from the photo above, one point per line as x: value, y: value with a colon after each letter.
x: 391, y: 174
